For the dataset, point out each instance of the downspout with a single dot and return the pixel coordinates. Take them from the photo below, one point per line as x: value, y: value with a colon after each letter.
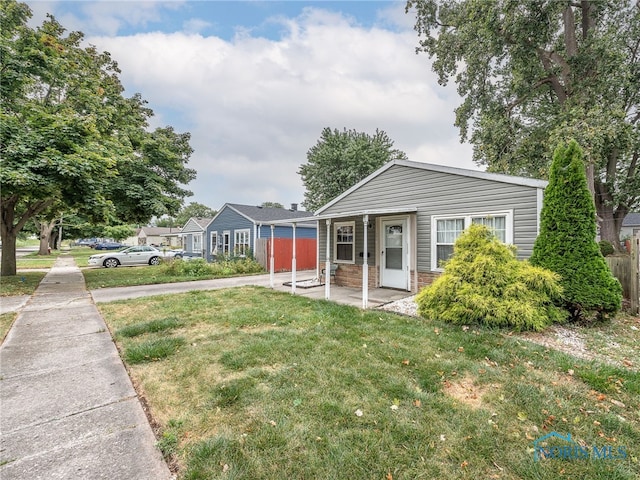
x: 272, y: 267
x: 293, y: 262
x: 365, y: 265
x: 327, y: 263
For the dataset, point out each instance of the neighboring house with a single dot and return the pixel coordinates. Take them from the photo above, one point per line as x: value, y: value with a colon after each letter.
x: 630, y: 226
x: 159, y: 236
x: 240, y: 229
x: 396, y: 227
x: 193, y: 236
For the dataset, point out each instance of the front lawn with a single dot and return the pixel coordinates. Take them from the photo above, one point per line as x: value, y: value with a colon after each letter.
x: 168, y: 271
x: 249, y: 383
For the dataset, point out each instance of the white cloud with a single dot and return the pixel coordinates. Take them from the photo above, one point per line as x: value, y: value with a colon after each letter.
x: 255, y: 106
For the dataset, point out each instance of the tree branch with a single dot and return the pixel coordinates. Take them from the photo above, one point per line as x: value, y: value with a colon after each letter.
x: 545, y: 58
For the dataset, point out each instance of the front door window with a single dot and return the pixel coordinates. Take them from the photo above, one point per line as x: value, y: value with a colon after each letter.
x: 394, y: 246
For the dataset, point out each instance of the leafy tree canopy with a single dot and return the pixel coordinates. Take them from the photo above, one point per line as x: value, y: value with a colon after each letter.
x: 271, y: 205
x: 533, y: 73
x: 194, y: 209
x: 341, y: 159
x: 70, y: 140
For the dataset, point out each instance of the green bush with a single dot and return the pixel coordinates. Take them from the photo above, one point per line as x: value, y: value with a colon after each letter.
x: 485, y: 283
x: 567, y: 245
x: 605, y: 248
x: 224, y: 267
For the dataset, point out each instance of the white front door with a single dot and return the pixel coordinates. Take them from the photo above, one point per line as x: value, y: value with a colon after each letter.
x: 393, y: 271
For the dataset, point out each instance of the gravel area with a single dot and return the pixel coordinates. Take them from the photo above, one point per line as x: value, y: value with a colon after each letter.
x: 404, y: 306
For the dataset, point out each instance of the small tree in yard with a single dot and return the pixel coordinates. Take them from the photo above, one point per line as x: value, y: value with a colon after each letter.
x: 485, y: 283
x: 567, y: 245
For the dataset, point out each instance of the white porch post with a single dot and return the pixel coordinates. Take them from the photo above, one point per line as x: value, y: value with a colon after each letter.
x: 327, y: 263
x: 272, y: 267
x: 293, y: 262
x: 365, y: 264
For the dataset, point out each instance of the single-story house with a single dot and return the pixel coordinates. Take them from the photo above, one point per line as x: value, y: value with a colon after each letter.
x: 159, y: 236
x: 396, y: 227
x: 630, y: 226
x: 239, y: 229
x: 193, y: 236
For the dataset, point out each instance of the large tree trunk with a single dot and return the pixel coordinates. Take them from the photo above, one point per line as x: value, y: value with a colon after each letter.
x: 610, y: 216
x: 8, y: 262
x: 8, y: 236
x: 9, y: 229
x: 45, y: 236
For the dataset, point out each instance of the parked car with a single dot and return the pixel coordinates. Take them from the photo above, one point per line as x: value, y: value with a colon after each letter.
x: 109, y: 246
x: 140, y: 255
x: 182, y: 254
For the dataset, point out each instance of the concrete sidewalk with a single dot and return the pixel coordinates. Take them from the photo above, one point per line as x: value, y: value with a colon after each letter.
x: 68, y: 409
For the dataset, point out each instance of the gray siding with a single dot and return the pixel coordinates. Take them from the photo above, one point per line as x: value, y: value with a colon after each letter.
x: 437, y: 193
x: 359, y: 234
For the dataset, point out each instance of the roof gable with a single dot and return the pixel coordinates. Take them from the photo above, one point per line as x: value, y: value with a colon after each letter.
x: 496, y: 177
x: 196, y: 224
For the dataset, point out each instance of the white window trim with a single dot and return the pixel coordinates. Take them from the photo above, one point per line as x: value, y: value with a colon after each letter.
x: 508, y: 214
x: 213, y: 243
x: 226, y: 247
x: 337, y: 225
x: 236, y: 233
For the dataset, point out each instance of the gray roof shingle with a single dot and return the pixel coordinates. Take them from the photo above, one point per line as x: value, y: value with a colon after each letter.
x: 264, y: 214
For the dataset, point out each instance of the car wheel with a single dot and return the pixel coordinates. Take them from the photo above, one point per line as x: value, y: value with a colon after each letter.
x: 111, y: 263
x: 178, y: 255
x: 154, y: 261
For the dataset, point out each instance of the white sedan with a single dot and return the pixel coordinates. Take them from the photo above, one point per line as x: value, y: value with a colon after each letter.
x: 140, y: 255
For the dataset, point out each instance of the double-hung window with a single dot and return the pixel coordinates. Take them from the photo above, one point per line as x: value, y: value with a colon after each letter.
x: 447, y: 228
x: 241, y: 243
x: 344, y: 242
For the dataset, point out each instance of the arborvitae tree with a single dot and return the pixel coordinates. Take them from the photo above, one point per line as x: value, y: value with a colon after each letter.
x: 567, y: 241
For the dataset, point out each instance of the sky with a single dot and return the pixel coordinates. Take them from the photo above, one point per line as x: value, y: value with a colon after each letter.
x: 256, y: 82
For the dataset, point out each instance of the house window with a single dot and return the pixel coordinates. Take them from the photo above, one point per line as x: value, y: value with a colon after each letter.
x: 226, y: 240
x: 497, y: 224
x: 197, y: 242
x: 344, y: 242
x: 241, y: 243
x: 447, y: 229
x: 214, y: 243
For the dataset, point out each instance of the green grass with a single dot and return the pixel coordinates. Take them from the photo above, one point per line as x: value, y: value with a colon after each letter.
x: 152, y: 350
x: 153, y: 326
x: 6, y: 320
x: 24, y: 283
x: 164, y: 273
x: 267, y: 385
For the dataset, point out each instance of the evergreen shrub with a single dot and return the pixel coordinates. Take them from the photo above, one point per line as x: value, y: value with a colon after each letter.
x: 605, y: 248
x: 485, y: 283
x: 566, y: 243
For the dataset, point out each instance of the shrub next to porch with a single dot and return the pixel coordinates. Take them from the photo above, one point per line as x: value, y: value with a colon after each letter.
x: 484, y: 283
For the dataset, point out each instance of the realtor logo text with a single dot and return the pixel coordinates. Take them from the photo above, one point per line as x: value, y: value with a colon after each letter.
x: 573, y: 451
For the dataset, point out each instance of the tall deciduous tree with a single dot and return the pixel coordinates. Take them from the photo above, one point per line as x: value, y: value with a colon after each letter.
x: 566, y: 244
x: 341, y: 159
x: 196, y: 210
x: 533, y: 73
x: 70, y: 139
